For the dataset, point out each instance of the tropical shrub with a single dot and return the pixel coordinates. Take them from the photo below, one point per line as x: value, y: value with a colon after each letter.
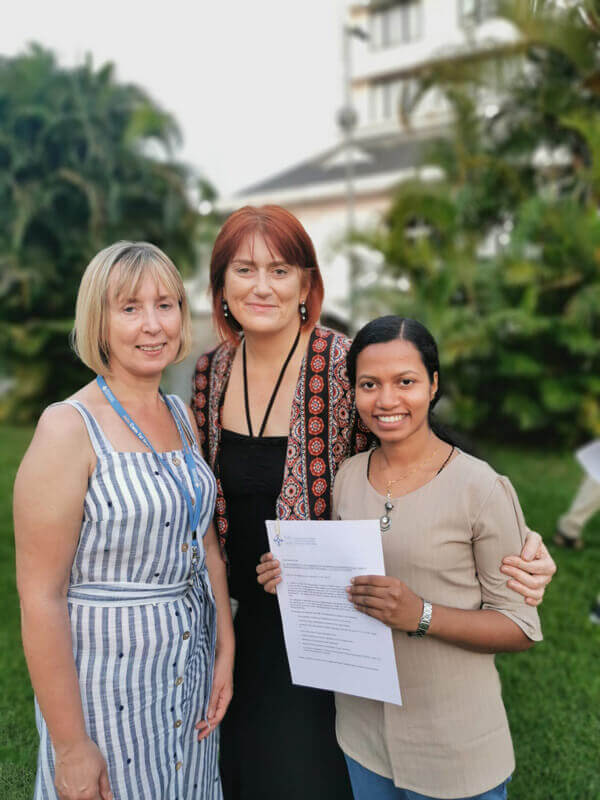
x: 84, y: 161
x: 501, y: 255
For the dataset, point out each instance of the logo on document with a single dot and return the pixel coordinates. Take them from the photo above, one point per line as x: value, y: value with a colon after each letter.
x: 277, y: 539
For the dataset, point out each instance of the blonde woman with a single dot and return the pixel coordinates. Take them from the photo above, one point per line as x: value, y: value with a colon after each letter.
x: 122, y: 586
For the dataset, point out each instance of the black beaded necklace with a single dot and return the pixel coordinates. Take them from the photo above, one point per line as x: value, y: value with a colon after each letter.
x: 275, y: 390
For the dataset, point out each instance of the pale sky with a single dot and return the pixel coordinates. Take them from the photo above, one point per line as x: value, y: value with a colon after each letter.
x: 253, y: 84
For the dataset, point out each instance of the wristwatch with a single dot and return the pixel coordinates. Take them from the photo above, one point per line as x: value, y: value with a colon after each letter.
x: 424, y: 622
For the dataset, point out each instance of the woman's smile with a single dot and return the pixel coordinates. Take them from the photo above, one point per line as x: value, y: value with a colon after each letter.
x: 393, y: 390
x: 390, y: 420
x: 260, y: 308
x: 152, y: 312
x: 151, y: 349
x: 262, y: 290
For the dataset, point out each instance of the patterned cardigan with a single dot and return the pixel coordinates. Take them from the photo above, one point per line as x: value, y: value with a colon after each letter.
x: 324, y: 426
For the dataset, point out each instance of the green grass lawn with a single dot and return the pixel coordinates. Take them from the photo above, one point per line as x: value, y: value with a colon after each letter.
x: 552, y: 692
x: 18, y: 737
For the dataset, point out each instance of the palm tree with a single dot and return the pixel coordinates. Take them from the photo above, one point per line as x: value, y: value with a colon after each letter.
x: 501, y: 255
x: 84, y: 161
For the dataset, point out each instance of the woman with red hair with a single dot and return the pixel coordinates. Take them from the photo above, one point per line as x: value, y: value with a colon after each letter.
x: 276, y: 417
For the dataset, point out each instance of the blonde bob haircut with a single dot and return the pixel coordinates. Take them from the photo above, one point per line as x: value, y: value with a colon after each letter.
x: 119, y: 270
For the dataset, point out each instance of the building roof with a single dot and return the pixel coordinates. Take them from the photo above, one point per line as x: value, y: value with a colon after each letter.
x: 375, y: 156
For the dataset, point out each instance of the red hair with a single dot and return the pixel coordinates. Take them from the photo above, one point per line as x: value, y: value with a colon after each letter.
x: 284, y: 234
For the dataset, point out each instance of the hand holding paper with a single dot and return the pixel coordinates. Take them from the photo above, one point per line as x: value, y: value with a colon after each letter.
x: 331, y: 645
x: 269, y: 573
x: 387, y: 599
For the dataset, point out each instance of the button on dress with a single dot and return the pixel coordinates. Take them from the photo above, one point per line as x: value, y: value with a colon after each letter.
x: 143, y: 626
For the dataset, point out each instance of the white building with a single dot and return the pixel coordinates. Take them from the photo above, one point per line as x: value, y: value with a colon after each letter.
x: 401, y: 35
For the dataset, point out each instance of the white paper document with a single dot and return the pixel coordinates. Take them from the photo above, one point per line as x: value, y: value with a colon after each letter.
x: 589, y: 458
x: 331, y: 645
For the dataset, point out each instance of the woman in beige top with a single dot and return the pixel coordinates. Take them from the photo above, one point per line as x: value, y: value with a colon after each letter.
x: 447, y: 520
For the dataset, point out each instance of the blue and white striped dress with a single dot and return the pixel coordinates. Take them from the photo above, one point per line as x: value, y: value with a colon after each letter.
x: 143, y: 626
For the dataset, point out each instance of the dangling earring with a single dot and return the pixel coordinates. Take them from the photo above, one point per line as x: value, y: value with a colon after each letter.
x: 225, y: 307
x: 303, y: 311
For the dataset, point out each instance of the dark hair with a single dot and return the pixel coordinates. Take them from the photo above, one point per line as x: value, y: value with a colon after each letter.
x: 388, y: 328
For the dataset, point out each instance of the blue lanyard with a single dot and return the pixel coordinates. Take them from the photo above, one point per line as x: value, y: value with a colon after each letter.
x: 194, y: 504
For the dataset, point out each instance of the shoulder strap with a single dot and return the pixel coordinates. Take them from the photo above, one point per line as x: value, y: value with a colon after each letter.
x: 179, y: 408
x: 98, y: 438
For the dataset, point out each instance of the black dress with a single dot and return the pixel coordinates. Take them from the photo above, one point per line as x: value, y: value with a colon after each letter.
x: 277, y: 740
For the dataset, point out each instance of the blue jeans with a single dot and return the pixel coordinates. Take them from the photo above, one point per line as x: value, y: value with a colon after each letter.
x: 367, y: 785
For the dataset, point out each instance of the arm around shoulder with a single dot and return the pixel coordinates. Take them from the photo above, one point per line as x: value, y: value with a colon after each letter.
x: 499, y: 530
x: 503, y: 623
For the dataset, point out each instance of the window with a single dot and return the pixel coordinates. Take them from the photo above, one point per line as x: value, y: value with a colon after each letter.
x: 477, y: 11
x: 378, y: 102
x: 384, y: 98
x: 396, y: 23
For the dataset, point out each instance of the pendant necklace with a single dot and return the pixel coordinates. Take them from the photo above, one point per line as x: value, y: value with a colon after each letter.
x: 385, y: 520
x: 275, y: 390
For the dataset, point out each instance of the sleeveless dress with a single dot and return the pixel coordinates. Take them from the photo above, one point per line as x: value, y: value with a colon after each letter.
x: 143, y: 625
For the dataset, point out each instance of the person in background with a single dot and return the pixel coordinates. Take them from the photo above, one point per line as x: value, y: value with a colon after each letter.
x: 583, y: 506
x: 122, y: 585
x: 276, y: 416
x: 569, y: 528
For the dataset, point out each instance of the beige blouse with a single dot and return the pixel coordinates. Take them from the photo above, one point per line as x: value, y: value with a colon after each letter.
x: 450, y: 738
